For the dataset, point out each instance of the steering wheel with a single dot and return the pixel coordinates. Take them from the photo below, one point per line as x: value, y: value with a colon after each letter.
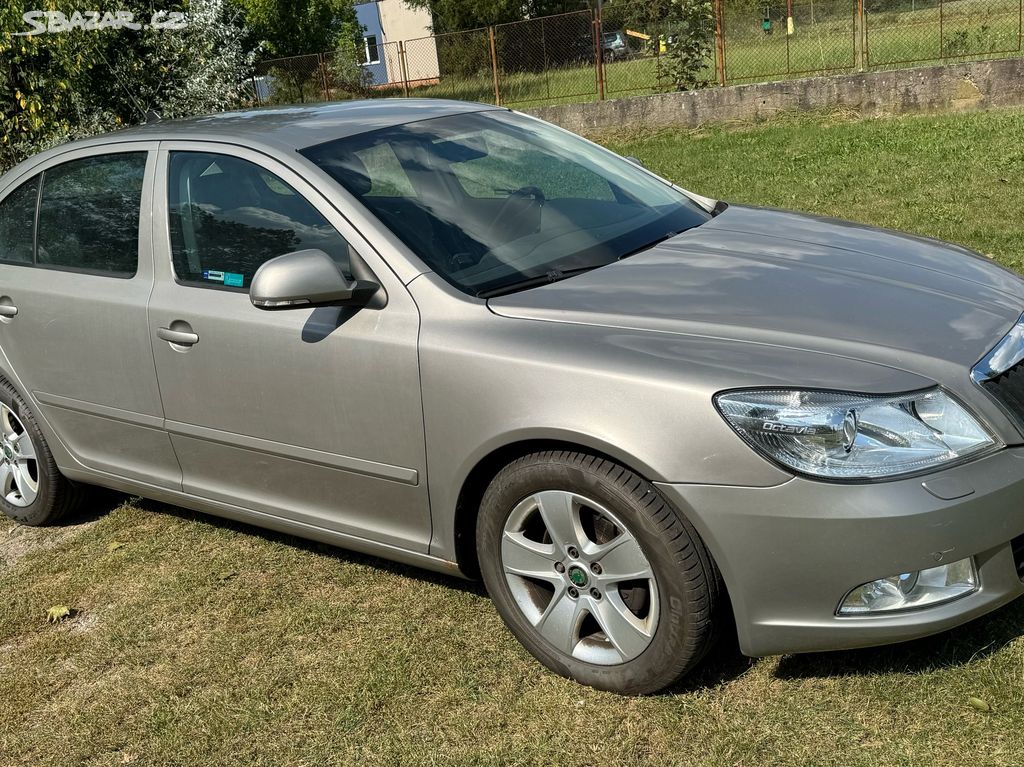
x: 513, y: 208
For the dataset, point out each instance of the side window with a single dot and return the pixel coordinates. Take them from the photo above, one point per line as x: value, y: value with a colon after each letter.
x: 89, y: 214
x: 508, y: 164
x: 18, y: 223
x: 228, y: 216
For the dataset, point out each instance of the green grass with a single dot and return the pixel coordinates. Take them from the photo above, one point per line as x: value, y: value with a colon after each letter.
x: 201, y: 642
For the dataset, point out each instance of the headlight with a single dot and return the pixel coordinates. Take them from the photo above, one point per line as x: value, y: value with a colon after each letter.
x: 854, y: 436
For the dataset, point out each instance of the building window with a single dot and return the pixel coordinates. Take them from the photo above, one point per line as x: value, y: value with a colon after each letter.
x: 371, y: 54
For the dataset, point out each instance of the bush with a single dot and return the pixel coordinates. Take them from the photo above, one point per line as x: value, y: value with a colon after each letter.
x: 58, y: 87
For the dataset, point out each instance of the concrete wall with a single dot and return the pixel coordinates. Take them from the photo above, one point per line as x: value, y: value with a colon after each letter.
x: 975, y: 85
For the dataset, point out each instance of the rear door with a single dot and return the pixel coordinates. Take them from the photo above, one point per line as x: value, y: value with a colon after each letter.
x: 313, y: 415
x: 76, y: 271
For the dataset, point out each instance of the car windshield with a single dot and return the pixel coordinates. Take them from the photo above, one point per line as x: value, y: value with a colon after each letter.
x: 494, y: 202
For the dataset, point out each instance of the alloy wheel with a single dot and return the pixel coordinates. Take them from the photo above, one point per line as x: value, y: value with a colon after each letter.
x: 19, y: 469
x: 580, y: 577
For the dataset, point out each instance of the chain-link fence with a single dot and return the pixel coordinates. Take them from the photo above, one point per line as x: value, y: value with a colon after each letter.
x: 632, y: 46
x: 311, y: 79
x: 453, y: 66
x: 636, y: 42
x: 294, y: 80
x: 551, y: 59
x: 780, y: 39
x: 904, y: 32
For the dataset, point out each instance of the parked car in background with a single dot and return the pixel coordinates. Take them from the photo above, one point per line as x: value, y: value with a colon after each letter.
x: 614, y: 45
x: 462, y: 338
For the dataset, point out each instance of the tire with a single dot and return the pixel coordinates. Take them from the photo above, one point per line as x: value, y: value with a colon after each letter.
x: 618, y: 523
x: 32, y: 489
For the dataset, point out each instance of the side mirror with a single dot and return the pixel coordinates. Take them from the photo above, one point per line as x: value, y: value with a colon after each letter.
x: 635, y: 161
x: 307, y: 278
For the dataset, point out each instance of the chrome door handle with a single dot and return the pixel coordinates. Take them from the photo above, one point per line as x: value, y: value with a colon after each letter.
x: 6, y: 310
x: 179, y: 337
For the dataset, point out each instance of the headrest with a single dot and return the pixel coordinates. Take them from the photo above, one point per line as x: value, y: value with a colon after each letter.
x: 350, y: 172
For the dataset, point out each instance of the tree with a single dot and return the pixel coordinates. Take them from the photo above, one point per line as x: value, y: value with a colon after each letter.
x: 686, y: 27
x: 297, y: 27
x: 59, y: 86
x: 457, y: 15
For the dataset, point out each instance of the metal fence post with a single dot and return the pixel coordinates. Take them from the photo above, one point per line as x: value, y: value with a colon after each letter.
x: 942, y: 33
x: 859, y: 37
x: 404, y: 66
x: 789, y: 68
x: 494, y: 66
x: 599, y: 54
x: 719, y: 43
x: 322, y: 64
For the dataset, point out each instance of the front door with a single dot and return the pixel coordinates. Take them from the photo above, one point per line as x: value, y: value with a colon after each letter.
x: 309, y: 414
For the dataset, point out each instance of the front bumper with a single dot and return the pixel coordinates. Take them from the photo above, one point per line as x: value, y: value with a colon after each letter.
x: 788, y: 554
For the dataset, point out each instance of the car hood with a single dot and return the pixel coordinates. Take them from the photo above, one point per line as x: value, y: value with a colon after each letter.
x: 799, y: 281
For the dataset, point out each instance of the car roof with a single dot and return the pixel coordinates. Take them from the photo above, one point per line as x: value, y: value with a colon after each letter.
x: 292, y: 127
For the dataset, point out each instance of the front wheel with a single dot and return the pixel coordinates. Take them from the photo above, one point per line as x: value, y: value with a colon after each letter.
x: 595, y: 573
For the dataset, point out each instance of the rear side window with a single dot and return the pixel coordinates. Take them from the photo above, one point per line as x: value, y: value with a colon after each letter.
x: 228, y: 216
x: 89, y: 214
x: 17, y: 223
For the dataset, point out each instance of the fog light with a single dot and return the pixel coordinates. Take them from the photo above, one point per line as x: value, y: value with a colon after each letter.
x: 924, y: 588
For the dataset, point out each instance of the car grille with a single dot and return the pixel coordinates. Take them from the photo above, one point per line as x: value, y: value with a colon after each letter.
x: 1008, y: 389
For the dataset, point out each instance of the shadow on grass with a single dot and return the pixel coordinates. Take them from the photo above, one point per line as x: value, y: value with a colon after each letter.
x: 724, y: 662
x: 957, y: 647
x: 99, y: 503
x: 305, y: 544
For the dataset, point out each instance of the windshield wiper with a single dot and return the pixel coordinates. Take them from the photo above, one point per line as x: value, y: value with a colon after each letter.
x: 652, y: 243
x: 553, y: 275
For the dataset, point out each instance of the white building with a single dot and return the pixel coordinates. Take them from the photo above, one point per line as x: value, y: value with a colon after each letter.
x: 385, y: 24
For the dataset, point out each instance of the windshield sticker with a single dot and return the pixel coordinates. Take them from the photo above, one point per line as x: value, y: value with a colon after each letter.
x: 234, y: 279
x: 213, y: 276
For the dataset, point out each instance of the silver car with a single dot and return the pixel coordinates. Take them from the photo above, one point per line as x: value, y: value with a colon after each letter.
x: 458, y: 337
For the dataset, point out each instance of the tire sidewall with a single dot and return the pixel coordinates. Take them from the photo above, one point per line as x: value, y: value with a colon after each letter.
x: 658, y: 666
x: 40, y: 509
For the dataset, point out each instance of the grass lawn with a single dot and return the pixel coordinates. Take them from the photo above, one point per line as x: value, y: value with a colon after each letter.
x: 201, y: 642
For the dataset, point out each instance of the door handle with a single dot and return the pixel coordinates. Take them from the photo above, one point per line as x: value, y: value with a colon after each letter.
x: 6, y: 310
x: 179, y: 337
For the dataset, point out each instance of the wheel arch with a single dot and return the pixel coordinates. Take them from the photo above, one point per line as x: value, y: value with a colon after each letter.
x: 61, y: 453
x: 476, y: 480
